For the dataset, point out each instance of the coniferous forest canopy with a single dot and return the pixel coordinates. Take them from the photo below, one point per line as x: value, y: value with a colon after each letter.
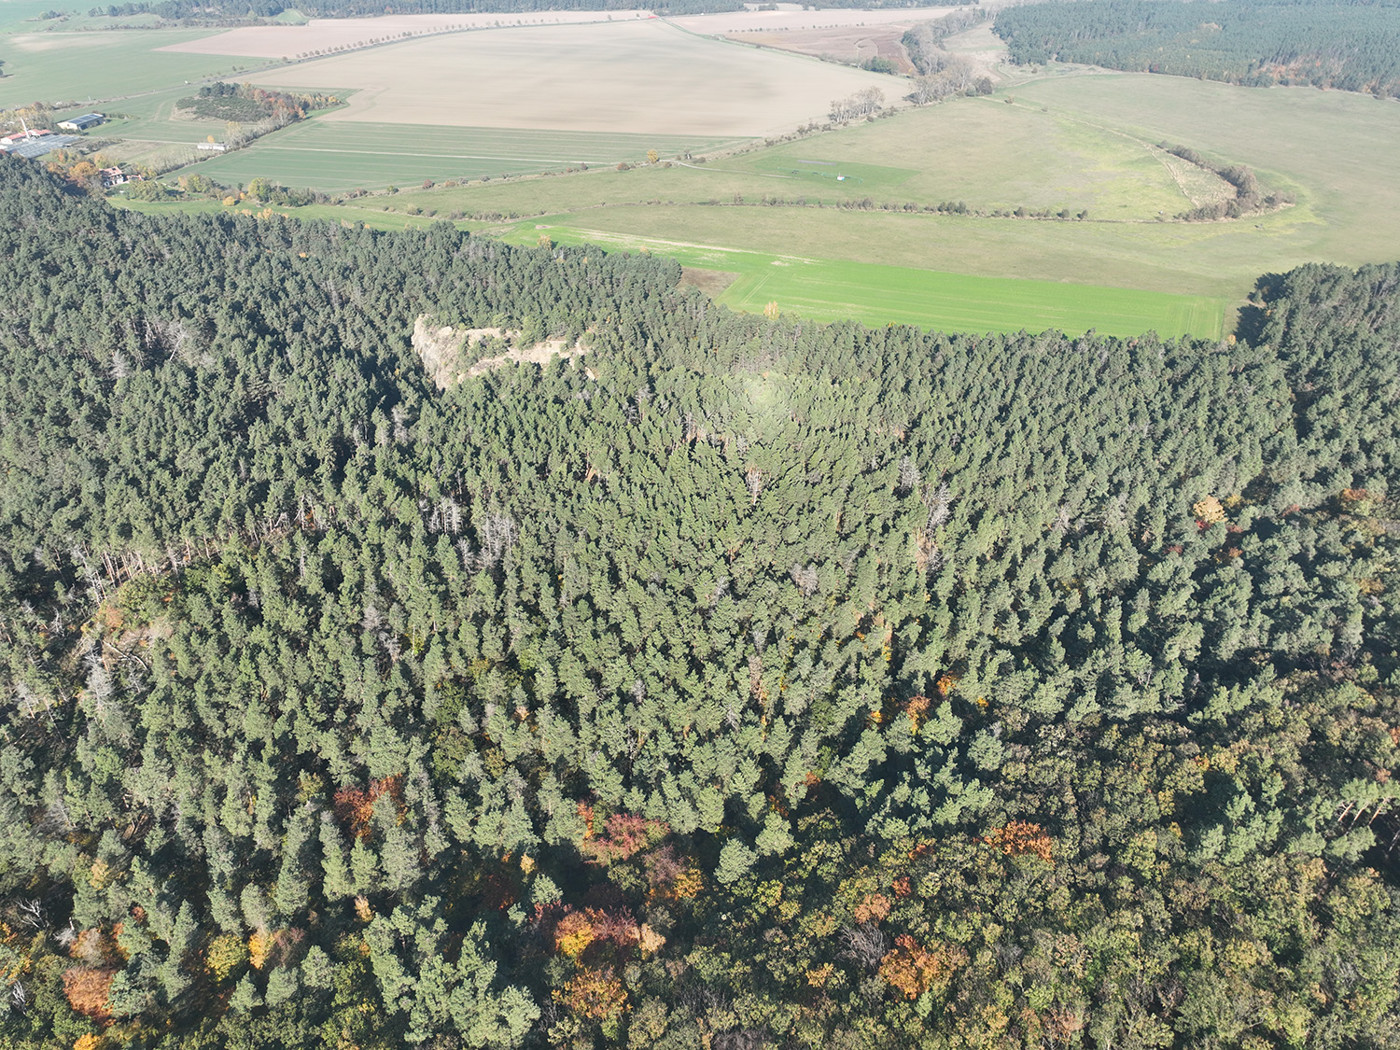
x: 742, y: 682
x: 1322, y: 43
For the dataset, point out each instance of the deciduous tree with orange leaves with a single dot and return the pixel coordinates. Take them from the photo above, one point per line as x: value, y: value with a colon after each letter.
x: 914, y: 969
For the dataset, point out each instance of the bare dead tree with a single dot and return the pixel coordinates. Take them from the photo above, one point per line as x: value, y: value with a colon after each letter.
x: 31, y: 913
x: 753, y: 478
x: 939, y: 504
x: 806, y: 578
x: 498, y: 533
x: 909, y: 476
x: 864, y: 943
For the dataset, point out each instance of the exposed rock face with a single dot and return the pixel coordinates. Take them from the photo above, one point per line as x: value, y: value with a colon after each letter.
x: 452, y: 354
x: 440, y: 350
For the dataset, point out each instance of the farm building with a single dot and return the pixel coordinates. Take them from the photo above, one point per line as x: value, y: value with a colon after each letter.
x: 82, y: 123
x: 37, y: 144
x: 23, y: 136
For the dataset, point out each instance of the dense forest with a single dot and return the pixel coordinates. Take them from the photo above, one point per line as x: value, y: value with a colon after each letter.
x: 727, y: 681
x: 1321, y: 43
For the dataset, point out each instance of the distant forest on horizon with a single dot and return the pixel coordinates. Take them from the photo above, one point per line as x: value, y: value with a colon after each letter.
x: 1258, y: 43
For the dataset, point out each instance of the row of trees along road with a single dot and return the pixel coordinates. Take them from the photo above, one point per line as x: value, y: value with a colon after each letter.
x: 744, y: 682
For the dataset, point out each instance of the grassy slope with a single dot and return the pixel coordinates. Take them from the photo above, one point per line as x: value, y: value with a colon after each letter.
x: 1339, y: 152
x: 992, y: 156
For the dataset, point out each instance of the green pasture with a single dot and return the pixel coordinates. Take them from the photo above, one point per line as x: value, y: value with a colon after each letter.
x: 341, y: 155
x: 152, y: 117
x: 1337, y: 151
x: 827, y: 289
x: 986, y: 153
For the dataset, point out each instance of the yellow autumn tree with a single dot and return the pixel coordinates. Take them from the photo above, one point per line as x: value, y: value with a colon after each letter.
x: 226, y: 953
x: 573, y: 934
x: 1208, y: 510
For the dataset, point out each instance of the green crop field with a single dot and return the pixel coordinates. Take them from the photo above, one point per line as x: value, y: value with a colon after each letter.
x: 828, y: 289
x: 52, y: 66
x: 340, y: 155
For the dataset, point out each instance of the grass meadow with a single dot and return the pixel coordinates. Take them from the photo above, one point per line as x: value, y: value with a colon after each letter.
x: 993, y: 158
x: 1338, y: 152
x: 991, y: 154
